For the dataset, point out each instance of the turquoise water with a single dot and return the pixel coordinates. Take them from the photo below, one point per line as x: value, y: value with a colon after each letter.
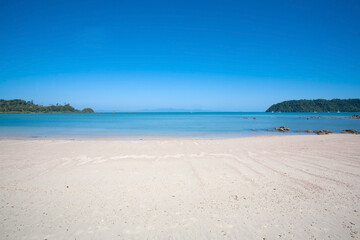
x: 167, y: 125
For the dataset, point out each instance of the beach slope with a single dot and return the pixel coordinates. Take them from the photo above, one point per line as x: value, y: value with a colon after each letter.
x: 278, y: 187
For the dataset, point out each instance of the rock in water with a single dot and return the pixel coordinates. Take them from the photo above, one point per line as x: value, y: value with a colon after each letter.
x: 355, y: 116
x: 282, y: 129
x: 352, y: 131
x: 305, y: 131
x: 323, y: 132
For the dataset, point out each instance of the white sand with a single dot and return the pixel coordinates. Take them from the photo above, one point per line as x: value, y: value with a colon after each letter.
x: 283, y: 187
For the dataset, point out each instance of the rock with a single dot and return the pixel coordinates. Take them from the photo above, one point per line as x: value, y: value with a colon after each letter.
x: 272, y: 117
x: 305, y: 131
x: 269, y: 130
x: 246, y: 117
x: 254, y: 118
x: 355, y: 116
x: 253, y: 129
x: 352, y: 131
x: 282, y: 129
x: 323, y: 132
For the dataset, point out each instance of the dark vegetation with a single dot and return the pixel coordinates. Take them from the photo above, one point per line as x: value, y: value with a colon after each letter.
x: 87, y: 110
x: 21, y: 106
x: 318, y: 105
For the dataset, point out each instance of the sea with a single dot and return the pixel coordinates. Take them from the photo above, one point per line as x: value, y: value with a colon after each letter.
x: 197, y: 125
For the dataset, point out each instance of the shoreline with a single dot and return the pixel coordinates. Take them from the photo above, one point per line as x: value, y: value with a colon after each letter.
x: 161, y: 138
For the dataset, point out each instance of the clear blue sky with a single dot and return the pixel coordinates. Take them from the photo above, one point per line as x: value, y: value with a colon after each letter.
x: 206, y: 55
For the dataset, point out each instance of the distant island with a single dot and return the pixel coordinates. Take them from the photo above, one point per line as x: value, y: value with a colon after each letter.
x: 22, y: 106
x: 318, y: 105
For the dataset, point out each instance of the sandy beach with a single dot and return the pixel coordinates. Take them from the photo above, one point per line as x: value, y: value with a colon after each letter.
x: 278, y: 187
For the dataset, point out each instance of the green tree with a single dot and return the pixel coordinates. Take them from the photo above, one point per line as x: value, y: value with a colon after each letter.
x: 21, y: 106
x: 318, y: 105
x: 87, y: 110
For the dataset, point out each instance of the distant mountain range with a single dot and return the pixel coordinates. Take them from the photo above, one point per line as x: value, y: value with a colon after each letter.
x: 22, y: 106
x: 173, y: 110
x: 318, y: 105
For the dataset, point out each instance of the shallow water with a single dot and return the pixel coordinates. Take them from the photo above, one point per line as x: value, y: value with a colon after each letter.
x: 168, y: 125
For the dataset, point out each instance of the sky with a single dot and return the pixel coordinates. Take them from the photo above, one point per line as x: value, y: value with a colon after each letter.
x: 178, y: 55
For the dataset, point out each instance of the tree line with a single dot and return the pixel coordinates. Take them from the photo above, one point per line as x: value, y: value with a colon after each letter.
x: 318, y: 105
x: 22, y: 106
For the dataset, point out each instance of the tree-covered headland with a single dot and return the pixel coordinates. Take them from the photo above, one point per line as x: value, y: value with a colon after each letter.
x: 318, y: 105
x: 22, y: 106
